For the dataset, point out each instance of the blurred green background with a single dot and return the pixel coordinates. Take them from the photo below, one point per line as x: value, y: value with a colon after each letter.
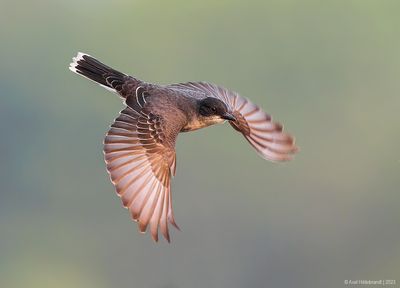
x: 329, y: 70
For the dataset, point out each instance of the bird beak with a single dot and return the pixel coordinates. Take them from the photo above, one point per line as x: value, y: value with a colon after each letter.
x: 228, y: 116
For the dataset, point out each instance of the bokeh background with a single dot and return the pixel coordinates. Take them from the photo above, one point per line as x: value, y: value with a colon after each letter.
x: 329, y: 70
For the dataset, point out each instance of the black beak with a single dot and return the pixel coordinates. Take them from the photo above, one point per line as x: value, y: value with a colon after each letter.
x: 228, y: 116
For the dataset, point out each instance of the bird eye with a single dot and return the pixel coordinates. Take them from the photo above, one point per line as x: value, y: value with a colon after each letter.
x: 214, y: 109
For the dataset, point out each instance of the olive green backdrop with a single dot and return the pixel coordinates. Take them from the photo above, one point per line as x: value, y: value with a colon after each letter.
x: 329, y: 70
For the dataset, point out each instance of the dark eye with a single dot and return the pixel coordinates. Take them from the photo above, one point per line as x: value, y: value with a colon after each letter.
x: 214, y: 109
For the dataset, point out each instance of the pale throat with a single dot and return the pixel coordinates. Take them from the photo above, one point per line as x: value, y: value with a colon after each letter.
x: 201, y: 122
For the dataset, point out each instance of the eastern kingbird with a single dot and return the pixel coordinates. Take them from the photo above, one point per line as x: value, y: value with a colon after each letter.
x: 139, y: 148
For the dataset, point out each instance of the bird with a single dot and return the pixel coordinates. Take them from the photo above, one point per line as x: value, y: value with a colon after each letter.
x: 139, y: 147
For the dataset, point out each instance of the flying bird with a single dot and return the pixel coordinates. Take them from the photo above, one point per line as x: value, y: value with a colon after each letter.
x: 139, y: 148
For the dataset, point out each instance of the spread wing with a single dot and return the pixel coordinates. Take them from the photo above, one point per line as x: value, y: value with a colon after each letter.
x: 265, y: 135
x: 140, y: 158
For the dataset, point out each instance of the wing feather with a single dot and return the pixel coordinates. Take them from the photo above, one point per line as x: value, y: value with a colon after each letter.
x: 141, y: 162
x: 264, y: 134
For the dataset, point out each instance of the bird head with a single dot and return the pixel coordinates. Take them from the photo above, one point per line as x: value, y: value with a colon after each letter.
x: 211, y: 107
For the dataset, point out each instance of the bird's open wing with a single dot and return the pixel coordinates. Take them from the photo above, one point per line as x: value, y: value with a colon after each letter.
x: 265, y: 135
x: 140, y: 158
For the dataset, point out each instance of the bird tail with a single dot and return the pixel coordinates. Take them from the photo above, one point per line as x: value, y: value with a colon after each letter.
x: 87, y: 66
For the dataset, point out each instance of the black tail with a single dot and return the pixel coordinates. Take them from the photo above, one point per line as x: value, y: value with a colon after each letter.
x: 96, y: 71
